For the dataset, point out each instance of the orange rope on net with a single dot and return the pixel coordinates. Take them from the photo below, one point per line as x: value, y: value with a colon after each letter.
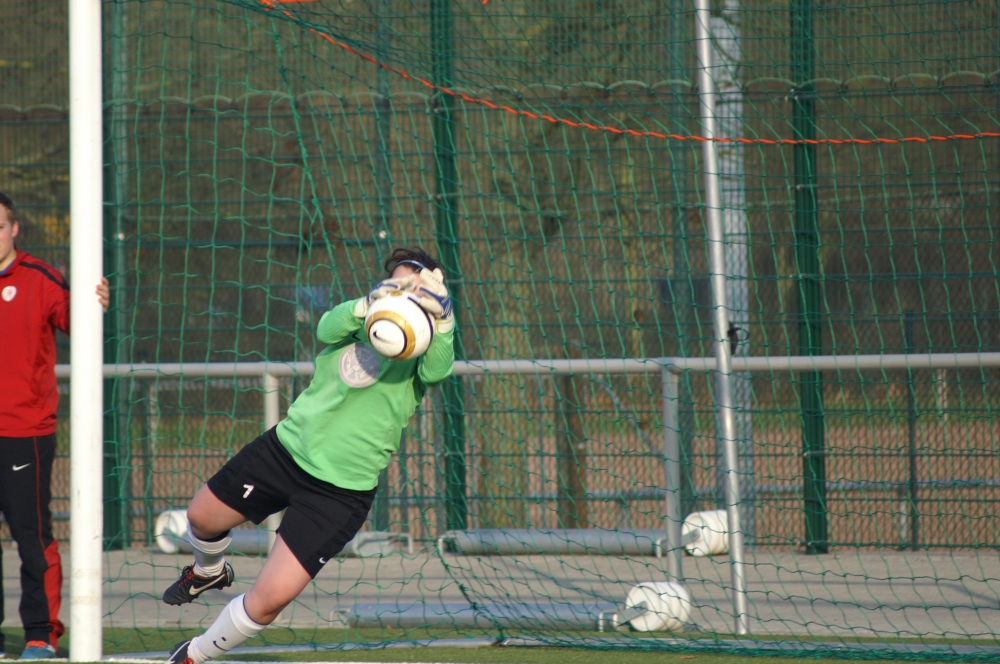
x: 273, y: 5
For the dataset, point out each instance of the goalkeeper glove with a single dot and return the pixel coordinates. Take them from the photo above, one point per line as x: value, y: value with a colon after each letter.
x: 434, y: 298
x: 383, y: 289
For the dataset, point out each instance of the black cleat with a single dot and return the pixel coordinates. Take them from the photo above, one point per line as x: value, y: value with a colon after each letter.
x: 179, y: 655
x: 190, y: 585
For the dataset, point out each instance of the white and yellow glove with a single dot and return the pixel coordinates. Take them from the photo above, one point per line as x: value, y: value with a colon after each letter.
x: 434, y: 298
x: 383, y: 289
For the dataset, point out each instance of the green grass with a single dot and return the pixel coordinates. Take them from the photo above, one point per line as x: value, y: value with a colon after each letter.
x: 123, y: 641
x: 538, y: 656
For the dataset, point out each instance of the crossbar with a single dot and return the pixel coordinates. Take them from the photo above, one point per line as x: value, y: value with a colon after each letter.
x: 790, y: 364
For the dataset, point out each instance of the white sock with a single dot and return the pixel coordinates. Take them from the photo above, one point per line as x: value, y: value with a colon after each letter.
x: 230, y: 629
x: 209, y: 557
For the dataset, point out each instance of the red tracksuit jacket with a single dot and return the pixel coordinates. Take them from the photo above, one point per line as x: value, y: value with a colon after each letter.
x: 34, y: 301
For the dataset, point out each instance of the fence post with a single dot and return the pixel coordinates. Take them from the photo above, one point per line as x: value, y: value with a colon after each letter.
x: 571, y: 486
x: 682, y: 292
x: 913, y: 530
x: 149, y: 438
x: 115, y: 438
x: 383, y: 129
x: 810, y: 296
x: 272, y: 415
x: 404, y: 484
x: 672, y: 473
x: 380, y: 507
x: 120, y: 440
x: 446, y: 222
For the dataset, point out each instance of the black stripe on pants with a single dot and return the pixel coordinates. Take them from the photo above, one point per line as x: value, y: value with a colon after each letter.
x: 25, y: 493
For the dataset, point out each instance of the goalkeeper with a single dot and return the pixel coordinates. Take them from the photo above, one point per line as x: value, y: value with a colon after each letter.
x: 320, y: 464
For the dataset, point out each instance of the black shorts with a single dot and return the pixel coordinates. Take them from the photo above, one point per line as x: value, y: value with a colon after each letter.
x: 320, y: 518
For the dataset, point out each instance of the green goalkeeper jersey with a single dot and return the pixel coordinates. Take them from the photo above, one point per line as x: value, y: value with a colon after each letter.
x: 344, y: 428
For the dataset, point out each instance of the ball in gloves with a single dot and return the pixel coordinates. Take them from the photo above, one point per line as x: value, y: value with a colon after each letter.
x: 397, y: 327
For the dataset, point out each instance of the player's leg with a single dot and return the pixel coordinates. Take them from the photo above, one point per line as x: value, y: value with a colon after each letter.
x: 279, y: 582
x: 245, y: 489
x: 6, y: 495
x: 209, y: 517
x: 320, y: 520
x: 26, y: 477
x: 209, y: 523
x: 2, y: 642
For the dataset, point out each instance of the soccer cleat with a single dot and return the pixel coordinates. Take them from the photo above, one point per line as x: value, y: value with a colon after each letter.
x: 179, y: 655
x: 38, y: 650
x: 190, y: 585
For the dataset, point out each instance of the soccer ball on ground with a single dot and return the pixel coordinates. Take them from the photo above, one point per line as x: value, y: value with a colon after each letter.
x: 398, y: 328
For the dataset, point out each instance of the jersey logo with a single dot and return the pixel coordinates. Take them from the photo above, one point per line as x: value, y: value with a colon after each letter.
x: 359, y: 366
x: 17, y: 468
x: 323, y: 561
x: 8, y: 293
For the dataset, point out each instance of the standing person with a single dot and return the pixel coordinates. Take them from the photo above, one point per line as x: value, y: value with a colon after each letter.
x: 34, y: 301
x: 320, y: 464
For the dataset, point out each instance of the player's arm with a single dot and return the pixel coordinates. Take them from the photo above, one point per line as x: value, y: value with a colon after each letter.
x: 347, y: 318
x: 339, y: 323
x: 56, y: 293
x: 438, y: 362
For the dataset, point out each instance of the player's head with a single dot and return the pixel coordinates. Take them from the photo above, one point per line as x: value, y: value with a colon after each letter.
x: 405, y: 261
x: 8, y: 229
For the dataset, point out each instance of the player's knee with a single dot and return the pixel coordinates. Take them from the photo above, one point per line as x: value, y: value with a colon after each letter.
x: 201, y: 522
x: 263, y: 608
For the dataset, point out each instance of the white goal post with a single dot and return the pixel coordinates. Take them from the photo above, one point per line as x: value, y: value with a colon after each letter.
x: 86, y: 195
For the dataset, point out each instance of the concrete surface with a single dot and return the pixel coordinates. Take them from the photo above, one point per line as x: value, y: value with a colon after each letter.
x: 848, y: 593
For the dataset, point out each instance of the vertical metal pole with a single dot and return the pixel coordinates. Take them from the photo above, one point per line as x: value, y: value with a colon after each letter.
x: 119, y: 138
x: 446, y: 229
x: 404, y: 485
x: 728, y: 58
x: 810, y: 293
x: 542, y: 454
x: 149, y: 455
x: 383, y: 186
x: 717, y: 269
x: 114, y: 510
x: 911, y: 397
x: 680, y: 284
x: 570, y: 454
x: 117, y: 446
x: 380, y: 508
x: 87, y: 325
x: 272, y: 415
x: 672, y: 474
x: 383, y: 128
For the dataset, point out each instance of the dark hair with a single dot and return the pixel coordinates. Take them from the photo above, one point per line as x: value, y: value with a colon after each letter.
x: 8, y: 202
x: 415, y: 254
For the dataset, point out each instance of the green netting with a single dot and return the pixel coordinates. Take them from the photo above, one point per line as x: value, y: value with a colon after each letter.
x: 262, y: 157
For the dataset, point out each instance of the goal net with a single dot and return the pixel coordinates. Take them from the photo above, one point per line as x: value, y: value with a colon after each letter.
x: 262, y: 157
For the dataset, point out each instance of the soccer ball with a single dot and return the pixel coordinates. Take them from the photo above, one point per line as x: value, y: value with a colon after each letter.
x: 398, y: 328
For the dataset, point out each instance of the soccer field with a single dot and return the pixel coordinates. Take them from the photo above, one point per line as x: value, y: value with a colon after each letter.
x: 714, y: 288
x: 884, y: 615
